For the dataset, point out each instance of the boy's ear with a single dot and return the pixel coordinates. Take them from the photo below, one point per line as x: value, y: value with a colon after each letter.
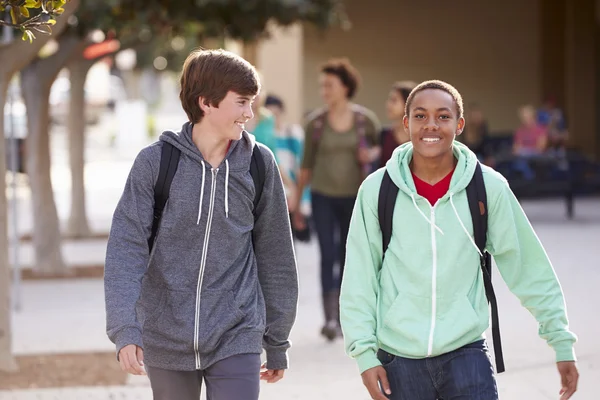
x: 204, y: 105
x: 405, y: 123
x: 461, y: 126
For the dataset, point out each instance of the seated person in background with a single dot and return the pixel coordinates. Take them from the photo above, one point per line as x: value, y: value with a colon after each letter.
x: 530, y: 138
x: 552, y: 118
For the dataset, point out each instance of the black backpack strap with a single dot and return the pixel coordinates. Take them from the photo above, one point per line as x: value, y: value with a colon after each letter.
x: 479, y: 213
x: 169, y: 161
x: 257, y: 171
x: 388, y: 191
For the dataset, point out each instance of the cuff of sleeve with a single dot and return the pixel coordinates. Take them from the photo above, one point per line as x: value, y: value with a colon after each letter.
x: 565, y: 352
x: 367, y: 360
x: 126, y: 337
x: 277, y: 359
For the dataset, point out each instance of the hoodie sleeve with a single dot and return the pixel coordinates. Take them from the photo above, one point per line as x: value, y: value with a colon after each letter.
x: 526, y: 269
x: 127, y: 254
x: 360, y: 284
x: 276, y: 261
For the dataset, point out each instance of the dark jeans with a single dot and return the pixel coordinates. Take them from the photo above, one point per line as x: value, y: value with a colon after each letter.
x: 462, y: 374
x: 329, y: 214
x: 234, y: 378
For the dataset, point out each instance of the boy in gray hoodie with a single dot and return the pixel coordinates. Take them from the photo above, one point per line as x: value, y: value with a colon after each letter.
x: 219, y: 282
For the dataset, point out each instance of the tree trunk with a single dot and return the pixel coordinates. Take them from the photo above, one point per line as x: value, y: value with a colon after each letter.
x: 15, y: 56
x: 78, y: 223
x: 7, y: 362
x: 36, y: 80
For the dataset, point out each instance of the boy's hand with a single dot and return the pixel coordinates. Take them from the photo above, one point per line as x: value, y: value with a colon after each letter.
x: 371, y: 379
x: 270, y: 375
x: 568, y: 378
x: 131, y: 359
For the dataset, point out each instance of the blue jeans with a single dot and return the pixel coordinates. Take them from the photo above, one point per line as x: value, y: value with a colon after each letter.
x: 462, y: 374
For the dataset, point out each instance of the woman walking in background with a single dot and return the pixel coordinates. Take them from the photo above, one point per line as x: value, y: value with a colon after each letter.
x: 341, y: 145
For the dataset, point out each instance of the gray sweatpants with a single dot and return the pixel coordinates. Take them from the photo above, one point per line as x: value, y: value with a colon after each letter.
x: 234, y: 378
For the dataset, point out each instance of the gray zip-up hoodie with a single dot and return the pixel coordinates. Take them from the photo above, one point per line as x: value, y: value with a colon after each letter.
x: 206, y: 292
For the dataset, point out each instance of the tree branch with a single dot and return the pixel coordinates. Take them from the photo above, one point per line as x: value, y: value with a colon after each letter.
x: 17, y: 54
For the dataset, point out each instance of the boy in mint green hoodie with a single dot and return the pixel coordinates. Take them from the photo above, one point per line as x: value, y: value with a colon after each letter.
x: 415, y: 320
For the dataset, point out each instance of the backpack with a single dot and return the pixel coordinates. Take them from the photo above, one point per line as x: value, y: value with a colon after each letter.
x: 169, y: 161
x: 477, y: 197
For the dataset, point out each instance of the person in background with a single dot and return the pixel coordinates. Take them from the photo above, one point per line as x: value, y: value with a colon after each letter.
x: 531, y: 137
x: 530, y: 140
x: 289, y: 145
x: 262, y: 126
x: 394, y: 135
x: 342, y: 143
x: 552, y: 118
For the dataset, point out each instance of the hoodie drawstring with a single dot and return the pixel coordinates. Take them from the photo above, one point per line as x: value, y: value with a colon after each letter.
x: 412, y: 196
x: 463, y: 226
x: 201, y: 192
x: 226, y: 188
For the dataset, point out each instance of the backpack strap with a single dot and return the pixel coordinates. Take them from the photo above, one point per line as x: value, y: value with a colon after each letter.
x: 257, y: 171
x: 477, y: 197
x: 169, y: 161
x: 388, y: 191
x: 318, y: 126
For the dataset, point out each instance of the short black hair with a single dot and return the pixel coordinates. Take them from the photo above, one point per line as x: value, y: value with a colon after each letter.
x: 403, y: 88
x: 345, y: 71
x: 273, y: 100
x: 439, y: 85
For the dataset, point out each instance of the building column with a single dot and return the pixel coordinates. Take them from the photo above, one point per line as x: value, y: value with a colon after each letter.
x: 552, y: 51
x: 280, y: 62
x: 581, y: 75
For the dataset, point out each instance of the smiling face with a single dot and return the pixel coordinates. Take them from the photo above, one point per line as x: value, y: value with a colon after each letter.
x: 228, y: 119
x: 432, y: 123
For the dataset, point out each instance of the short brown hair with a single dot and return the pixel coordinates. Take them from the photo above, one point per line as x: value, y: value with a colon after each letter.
x: 439, y: 85
x: 212, y: 74
x: 403, y: 88
x: 348, y: 75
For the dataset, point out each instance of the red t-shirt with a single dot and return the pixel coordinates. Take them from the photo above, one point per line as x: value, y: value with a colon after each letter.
x: 433, y: 192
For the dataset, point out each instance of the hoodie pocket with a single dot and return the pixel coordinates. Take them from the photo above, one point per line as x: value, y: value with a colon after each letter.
x: 219, y: 315
x: 171, y: 325
x: 408, y: 320
x: 456, y: 322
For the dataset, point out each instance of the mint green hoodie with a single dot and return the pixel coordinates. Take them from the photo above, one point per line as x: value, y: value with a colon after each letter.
x: 428, y: 298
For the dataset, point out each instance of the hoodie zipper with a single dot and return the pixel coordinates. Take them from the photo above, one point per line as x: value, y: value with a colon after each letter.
x: 211, y: 208
x: 433, y: 283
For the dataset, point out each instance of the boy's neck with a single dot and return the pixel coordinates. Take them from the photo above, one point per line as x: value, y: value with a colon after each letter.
x: 432, y: 170
x: 212, y: 147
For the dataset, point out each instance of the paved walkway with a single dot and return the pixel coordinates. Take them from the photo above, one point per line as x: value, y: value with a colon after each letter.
x: 70, y: 313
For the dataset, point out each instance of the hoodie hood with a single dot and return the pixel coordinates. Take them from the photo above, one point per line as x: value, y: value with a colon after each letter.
x: 236, y: 159
x: 238, y: 155
x: 399, y: 169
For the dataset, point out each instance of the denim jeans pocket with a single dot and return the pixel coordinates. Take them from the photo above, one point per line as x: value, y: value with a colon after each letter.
x: 385, y: 358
